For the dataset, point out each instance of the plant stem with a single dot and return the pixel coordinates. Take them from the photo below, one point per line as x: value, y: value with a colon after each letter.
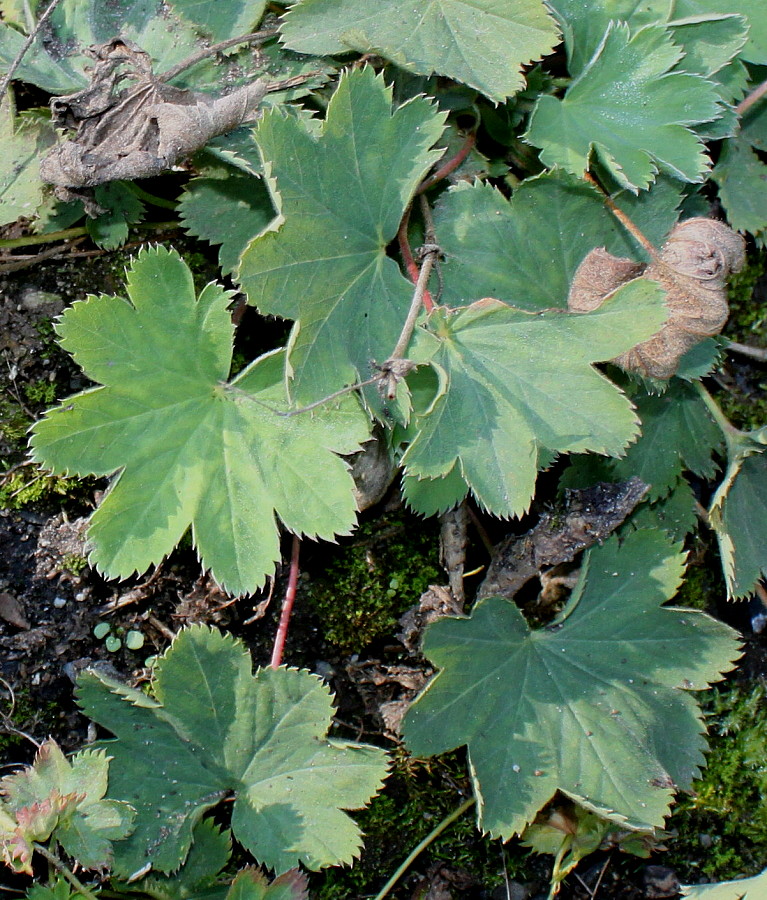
x: 149, y: 198
x: 730, y: 432
x: 415, y: 304
x: 65, y: 871
x: 430, y: 837
x: 750, y: 99
x: 66, y: 234
x: 25, y: 46
x: 621, y: 216
x: 451, y: 165
x: 287, y: 605
x: 757, y: 353
x: 215, y: 48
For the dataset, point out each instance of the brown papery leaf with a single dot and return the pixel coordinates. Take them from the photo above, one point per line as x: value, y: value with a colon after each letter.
x: 693, y: 266
x: 134, y: 132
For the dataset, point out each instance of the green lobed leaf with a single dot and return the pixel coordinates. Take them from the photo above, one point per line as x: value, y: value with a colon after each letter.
x: 188, y: 447
x: 341, y: 189
x: 591, y: 705
x: 483, y: 43
x: 493, y: 246
x: 737, y: 514
x: 216, y: 730
x: 755, y: 50
x: 123, y: 208
x: 709, y: 38
x: 253, y: 885
x: 522, y: 383
x: 229, y: 211
x: 678, y: 434
x: 210, y: 852
x: 64, y: 799
x: 24, y: 140
x: 629, y: 111
x: 742, y: 889
x: 222, y: 19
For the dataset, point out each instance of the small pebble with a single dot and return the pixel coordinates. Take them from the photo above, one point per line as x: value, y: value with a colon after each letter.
x: 59, y: 602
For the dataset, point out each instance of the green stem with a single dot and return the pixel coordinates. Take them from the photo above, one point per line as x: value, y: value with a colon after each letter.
x: 149, y: 198
x: 431, y: 836
x: 65, y: 871
x: 66, y: 234
x: 730, y: 432
x: 557, y: 875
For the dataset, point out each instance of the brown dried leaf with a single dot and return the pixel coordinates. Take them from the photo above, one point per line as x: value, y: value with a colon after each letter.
x: 137, y: 132
x: 693, y: 266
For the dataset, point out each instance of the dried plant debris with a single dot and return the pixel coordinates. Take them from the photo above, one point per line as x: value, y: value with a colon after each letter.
x: 590, y: 515
x: 693, y: 266
x: 137, y: 131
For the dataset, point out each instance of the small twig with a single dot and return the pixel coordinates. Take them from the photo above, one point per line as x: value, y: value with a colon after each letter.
x: 430, y: 837
x: 750, y: 99
x: 25, y: 46
x: 78, y: 231
x: 601, y: 875
x: 215, y: 48
x: 27, y: 261
x: 65, y: 871
x: 287, y: 605
x: 757, y: 353
x: 621, y: 216
x: 161, y: 627
x: 6, y: 718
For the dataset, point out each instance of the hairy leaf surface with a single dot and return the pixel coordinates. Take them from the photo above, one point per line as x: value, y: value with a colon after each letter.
x: 738, y: 513
x: 188, y: 447
x: 629, y: 111
x: 222, y: 19
x: 64, y: 799
x: 215, y: 729
x: 592, y: 705
x: 483, y: 43
x: 341, y: 188
x: 742, y: 179
x: 755, y: 50
x: 521, y: 383
x: 742, y: 889
x: 493, y: 246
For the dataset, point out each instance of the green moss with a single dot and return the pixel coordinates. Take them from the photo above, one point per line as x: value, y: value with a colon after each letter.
x: 374, y: 579
x: 41, y: 392
x: 28, y: 485
x: 74, y: 563
x: 722, y: 827
x: 747, y: 319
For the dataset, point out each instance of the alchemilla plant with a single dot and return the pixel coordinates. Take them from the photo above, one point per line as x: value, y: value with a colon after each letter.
x: 491, y: 229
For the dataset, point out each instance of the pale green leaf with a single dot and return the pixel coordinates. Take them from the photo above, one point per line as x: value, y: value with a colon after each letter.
x: 24, y: 141
x: 229, y: 211
x: 218, y: 730
x: 629, y: 111
x: 678, y: 434
x: 742, y: 889
x: 738, y: 513
x: 64, y: 799
x: 326, y: 265
x: 493, y: 246
x: 755, y: 50
x: 253, y: 885
x: 188, y: 447
x: 222, y: 19
x: 520, y: 383
x: 483, y: 43
x: 592, y: 705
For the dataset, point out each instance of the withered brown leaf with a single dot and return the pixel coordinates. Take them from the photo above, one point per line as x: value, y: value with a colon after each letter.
x: 693, y: 266
x: 137, y: 131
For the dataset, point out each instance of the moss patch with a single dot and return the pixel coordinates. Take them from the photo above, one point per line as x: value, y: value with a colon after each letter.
x: 722, y: 827
x: 374, y: 579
